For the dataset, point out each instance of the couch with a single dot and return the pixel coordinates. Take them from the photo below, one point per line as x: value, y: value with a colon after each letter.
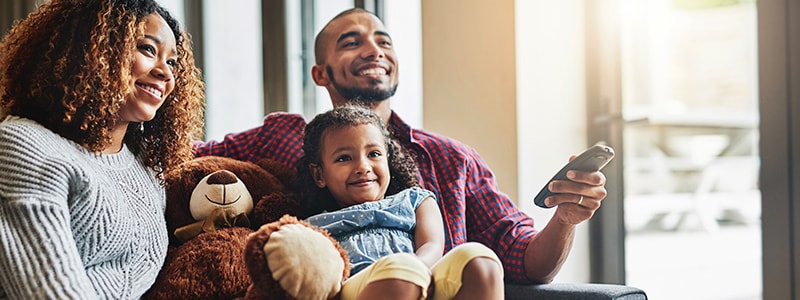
x: 573, y: 291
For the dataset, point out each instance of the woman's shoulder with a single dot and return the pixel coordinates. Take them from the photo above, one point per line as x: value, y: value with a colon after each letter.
x: 21, y: 137
x: 11, y: 122
x: 15, y: 129
x: 32, y: 156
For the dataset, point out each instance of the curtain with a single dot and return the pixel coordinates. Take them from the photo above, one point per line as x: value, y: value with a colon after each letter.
x: 12, y: 10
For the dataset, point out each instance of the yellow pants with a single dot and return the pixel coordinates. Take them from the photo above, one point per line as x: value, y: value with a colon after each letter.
x: 406, y: 266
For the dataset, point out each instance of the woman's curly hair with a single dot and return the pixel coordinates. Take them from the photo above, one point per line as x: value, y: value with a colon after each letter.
x: 315, y: 200
x: 68, y: 64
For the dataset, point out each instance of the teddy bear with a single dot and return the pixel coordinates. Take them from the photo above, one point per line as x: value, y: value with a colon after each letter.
x: 235, y: 234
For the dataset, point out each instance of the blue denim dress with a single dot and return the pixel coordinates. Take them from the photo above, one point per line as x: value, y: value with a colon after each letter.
x: 371, y: 230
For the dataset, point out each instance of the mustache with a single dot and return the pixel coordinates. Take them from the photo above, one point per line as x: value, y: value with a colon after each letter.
x: 361, y: 95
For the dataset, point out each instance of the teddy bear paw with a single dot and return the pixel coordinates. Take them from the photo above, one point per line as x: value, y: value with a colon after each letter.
x: 292, y: 258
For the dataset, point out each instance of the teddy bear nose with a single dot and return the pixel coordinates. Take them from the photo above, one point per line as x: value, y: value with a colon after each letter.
x: 222, y: 177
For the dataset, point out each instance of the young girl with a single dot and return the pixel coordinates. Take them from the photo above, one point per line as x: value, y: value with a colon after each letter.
x: 97, y: 99
x: 394, y: 242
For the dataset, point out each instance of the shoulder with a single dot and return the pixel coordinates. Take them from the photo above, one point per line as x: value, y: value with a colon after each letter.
x: 415, y: 195
x: 282, y: 125
x: 28, y: 137
x: 436, y: 139
x: 440, y: 144
x: 33, y: 156
x: 277, y: 118
x: 14, y: 126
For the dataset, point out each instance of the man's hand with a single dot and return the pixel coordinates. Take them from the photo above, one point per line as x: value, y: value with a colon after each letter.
x: 578, y: 198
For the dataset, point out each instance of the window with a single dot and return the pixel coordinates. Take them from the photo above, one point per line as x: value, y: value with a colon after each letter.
x: 230, y: 37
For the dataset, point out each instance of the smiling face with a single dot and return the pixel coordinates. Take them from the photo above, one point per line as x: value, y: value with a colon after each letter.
x: 356, y: 59
x: 354, y: 165
x: 152, y: 79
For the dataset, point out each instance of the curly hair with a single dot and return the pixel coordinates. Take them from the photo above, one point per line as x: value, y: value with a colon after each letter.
x: 314, y: 200
x: 67, y: 65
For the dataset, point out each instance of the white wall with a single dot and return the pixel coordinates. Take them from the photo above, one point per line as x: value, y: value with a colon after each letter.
x: 232, y: 68
x: 507, y: 77
x: 403, y: 20
x: 551, y: 107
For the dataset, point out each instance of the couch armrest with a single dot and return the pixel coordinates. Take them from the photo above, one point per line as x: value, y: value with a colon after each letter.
x: 573, y: 291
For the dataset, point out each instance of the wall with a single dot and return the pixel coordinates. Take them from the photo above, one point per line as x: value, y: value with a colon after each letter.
x: 469, y: 85
x: 507, y: 78
x: 402, y: 18
x: 551, y: 107
x: 12, y: 10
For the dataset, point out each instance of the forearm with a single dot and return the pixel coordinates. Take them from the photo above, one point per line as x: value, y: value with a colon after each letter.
x: 429, y: 233
x: 59, y: 263
x: 548, y: 251
x: 429, y: 254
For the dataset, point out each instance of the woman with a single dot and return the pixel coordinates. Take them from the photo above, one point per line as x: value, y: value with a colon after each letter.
x: 97, y: 99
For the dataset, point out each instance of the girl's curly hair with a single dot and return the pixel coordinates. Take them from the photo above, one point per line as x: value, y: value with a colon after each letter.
x: 68, y: 64
x: 314, y: 200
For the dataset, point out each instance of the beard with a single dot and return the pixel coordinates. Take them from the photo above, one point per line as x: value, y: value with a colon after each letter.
x: 358, y: 94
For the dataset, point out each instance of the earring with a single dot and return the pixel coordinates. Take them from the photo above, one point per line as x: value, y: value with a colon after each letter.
x: 141, y: 126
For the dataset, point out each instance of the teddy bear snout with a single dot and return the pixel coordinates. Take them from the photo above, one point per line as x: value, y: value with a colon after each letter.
x: 222, y: 177
x: 220, y: 190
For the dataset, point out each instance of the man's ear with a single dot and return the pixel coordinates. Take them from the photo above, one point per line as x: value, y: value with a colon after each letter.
x: 316, y: 173
x: 319, y: 75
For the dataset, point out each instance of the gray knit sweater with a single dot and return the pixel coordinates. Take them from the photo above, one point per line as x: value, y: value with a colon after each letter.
x: 74, y: 224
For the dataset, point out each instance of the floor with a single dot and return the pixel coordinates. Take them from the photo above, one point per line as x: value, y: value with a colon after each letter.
x: 723, y: 264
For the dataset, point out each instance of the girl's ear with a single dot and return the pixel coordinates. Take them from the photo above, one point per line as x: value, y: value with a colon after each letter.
x: 316, y: 174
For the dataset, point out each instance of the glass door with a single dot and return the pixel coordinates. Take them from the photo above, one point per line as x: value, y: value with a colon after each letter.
x: 688, y: 78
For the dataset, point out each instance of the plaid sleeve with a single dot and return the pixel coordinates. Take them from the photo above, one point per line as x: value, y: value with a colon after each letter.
x: 473, y: 207
x: 495, y: 220
x: 280, y: 138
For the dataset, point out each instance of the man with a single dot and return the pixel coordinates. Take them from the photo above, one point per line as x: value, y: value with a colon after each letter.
x: 355, y: 62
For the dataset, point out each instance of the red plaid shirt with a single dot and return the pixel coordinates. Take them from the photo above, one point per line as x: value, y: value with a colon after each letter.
x: 472, y: 206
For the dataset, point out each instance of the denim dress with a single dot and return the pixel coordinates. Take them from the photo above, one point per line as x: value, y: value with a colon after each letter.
x: 371, y: 230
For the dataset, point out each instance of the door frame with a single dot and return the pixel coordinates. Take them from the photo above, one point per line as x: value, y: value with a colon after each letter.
x: 604, y: 121
x: 779, y: 129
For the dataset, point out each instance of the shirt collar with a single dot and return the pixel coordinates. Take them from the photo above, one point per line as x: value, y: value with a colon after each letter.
x: 400, y: 129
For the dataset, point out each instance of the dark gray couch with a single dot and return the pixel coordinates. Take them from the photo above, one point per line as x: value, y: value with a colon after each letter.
x: 573, y: 291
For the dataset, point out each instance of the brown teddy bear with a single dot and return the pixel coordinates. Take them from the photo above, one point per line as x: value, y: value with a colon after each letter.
x: 213, y: 205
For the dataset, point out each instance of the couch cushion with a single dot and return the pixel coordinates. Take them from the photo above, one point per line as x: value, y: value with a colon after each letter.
x: 573, y: 291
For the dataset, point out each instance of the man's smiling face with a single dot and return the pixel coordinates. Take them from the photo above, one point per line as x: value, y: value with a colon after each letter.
x: 359, y: 59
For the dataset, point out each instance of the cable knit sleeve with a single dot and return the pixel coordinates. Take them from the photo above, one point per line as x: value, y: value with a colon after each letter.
x: 38, y: 255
